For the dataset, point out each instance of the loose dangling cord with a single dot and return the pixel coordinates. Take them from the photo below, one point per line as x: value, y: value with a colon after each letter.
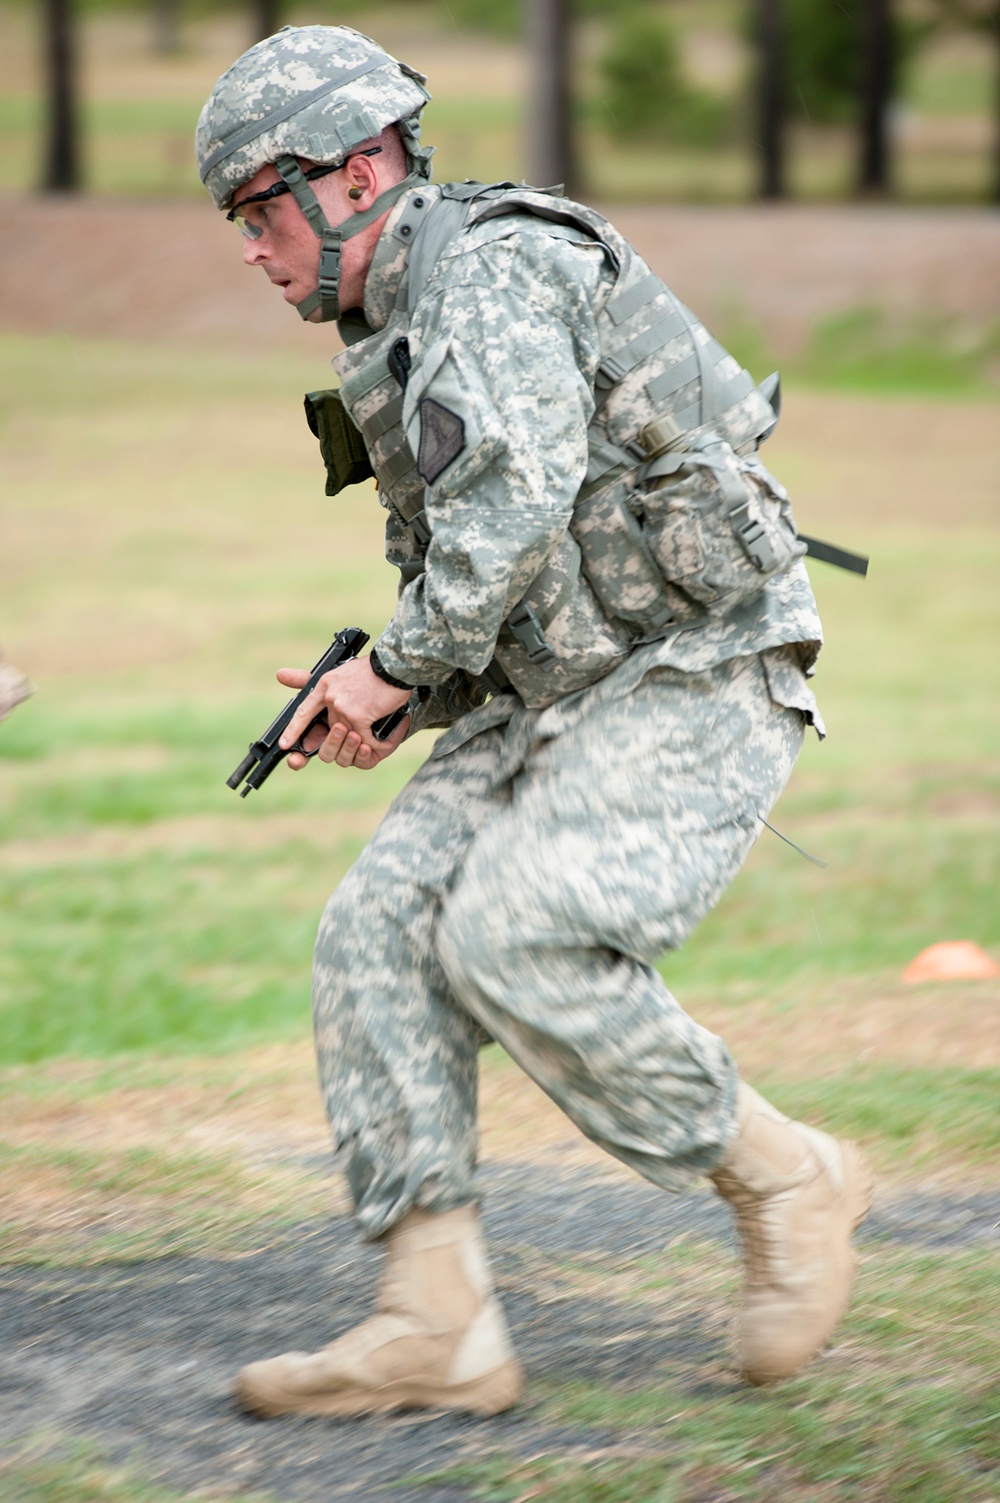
x: 814, y: 859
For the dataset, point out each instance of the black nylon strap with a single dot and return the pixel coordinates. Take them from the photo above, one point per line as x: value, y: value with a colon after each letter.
x: 829, y: 553
x: 375, y: 663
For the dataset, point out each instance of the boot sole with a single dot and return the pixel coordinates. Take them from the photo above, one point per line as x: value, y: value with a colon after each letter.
x: 859, y: 1188
x: 489, y: 1394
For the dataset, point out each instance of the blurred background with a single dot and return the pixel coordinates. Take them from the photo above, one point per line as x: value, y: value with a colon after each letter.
x: 816, y: 177
x: 819, y: 180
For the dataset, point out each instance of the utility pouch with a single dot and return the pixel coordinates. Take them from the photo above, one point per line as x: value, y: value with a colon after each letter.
x: 341, y: 445
x: 719, y: 525
x: 618, y: 563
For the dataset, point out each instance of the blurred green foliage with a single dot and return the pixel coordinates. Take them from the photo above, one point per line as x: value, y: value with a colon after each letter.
x: 823, y: 52
x: 506, y: 17
x: 646, y: 91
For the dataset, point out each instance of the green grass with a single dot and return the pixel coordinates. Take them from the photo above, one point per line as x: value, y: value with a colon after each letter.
x: 134, y: 1204
x: 40, y: 1471
x: 191, y: 952
x: 166, y: 545
x: 952, y: 78
x: 892, y: 887
x: 914, y: 1115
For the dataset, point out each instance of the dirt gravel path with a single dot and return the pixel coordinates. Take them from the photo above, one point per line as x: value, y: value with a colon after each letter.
x: 136, y: 1360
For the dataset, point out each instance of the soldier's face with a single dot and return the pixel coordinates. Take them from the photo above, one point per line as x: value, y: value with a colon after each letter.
x: 287, y: 248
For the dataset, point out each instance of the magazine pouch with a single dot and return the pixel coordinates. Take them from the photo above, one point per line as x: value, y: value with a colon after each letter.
x: 718, y: 524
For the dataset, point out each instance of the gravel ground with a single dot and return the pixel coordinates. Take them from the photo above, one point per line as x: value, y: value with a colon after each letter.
x: 137, y: 1359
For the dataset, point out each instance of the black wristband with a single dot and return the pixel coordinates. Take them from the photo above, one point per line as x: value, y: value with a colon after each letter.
x: 384, y: 674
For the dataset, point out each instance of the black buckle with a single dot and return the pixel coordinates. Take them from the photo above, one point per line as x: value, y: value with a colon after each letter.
x: 525, y: 626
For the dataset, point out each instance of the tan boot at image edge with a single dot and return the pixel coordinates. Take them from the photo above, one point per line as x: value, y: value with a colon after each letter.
x: 438, y: 1339
x: 798, y: 1195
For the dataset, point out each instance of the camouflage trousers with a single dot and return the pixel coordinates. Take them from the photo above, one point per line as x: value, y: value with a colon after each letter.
x: 525, y: 883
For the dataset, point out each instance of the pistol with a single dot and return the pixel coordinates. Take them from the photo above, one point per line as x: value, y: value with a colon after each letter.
x: 265, y: 754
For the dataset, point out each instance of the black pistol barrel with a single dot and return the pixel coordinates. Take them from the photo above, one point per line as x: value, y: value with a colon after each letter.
x: 249, y: 761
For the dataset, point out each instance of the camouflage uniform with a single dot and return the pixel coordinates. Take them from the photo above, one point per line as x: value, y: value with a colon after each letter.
x: 602, y: 598
x: 557, y: 840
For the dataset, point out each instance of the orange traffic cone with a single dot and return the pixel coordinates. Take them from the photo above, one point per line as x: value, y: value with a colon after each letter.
x: 951, y: 960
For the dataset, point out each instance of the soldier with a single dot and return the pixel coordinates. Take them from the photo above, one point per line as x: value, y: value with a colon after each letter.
x: 602, y: 598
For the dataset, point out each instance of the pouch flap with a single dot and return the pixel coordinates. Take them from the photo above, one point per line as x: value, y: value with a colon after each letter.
x: 340, y: 443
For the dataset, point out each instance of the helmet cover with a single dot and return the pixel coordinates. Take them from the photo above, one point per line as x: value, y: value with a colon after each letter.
x: 308, y: 91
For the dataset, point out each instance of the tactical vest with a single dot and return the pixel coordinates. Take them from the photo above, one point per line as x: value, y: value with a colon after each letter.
x: 676, y: 523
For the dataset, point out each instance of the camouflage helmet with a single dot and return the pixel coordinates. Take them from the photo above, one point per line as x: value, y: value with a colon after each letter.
x: 316, y: 92
x: 308, y: 91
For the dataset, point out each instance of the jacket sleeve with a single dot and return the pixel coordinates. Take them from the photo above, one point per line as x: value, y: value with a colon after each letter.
x: 504, y: 348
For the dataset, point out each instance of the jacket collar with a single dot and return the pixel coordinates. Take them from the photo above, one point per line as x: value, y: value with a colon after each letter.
x: 387, y: 271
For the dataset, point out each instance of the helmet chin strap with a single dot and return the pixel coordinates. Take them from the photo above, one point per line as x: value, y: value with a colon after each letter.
x: 331, y: 236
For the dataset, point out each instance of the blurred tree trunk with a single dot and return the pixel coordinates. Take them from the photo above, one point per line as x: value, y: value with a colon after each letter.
x: 167, y: 27
x: 61, y: 173
x: 265, y: 18
x: 770, y: 97
x: 996, y: 122
x: 551, y: 155
x: 876, y: 96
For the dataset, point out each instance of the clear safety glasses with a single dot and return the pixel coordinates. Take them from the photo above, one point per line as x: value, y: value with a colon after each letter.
x: 251, y: 231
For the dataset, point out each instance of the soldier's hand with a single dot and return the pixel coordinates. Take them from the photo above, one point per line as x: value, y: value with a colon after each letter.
x: 352, y: 697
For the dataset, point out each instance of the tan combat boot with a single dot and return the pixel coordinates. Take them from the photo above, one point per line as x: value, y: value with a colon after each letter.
x: 798, y: 1194
x: 437, y: 1341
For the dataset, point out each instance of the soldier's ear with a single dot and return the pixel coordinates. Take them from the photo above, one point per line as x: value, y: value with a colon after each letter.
x: 361, y: 176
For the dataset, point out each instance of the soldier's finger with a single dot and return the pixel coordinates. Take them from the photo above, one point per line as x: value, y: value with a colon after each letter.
x: 349, y: 750
x: 292, y: 678
x: 304, y: 715
x: 314, y: 737
x: 330, y: 750
x: 297, y: 761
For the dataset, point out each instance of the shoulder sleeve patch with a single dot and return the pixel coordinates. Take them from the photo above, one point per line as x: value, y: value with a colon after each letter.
x: 442, y: 439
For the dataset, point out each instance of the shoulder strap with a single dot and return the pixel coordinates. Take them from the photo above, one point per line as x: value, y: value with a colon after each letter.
x: 462, y: 204
x: 446, y: 219
x: 562, y: 211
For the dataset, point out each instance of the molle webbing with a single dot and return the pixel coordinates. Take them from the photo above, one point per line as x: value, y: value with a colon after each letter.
x: 616, y: 366
x: 373, y: 394
x: 700, y: 385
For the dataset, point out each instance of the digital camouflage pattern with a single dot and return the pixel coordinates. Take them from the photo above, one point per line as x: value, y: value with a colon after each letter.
x: 544, y: 481
x: 561, y: 837
x: 308, y: 91
x: 524, y: 882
